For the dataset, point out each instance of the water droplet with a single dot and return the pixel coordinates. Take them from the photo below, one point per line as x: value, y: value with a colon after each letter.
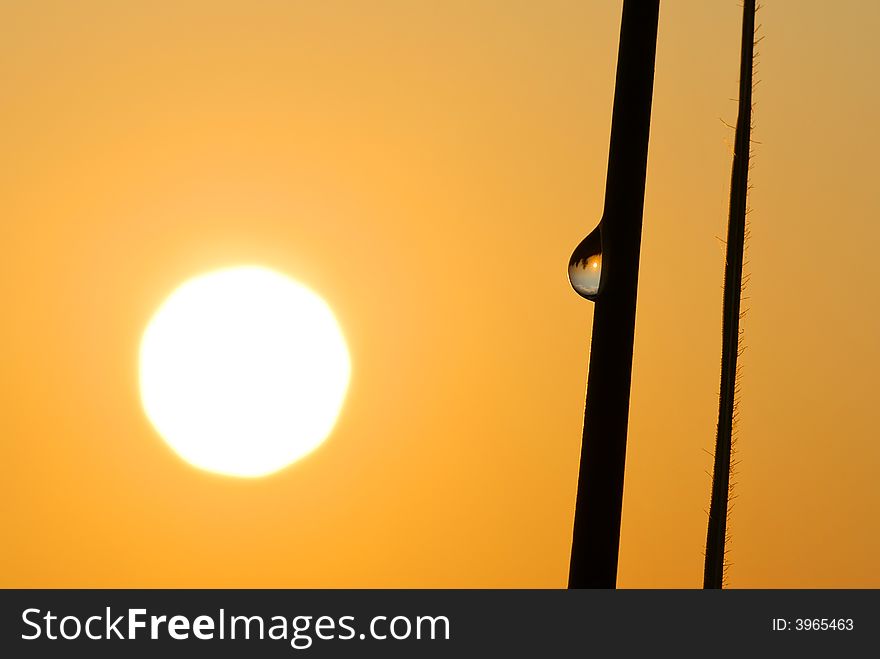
x: 585, y: 266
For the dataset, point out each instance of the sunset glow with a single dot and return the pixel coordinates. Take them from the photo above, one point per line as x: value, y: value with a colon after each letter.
x: 243, y: 371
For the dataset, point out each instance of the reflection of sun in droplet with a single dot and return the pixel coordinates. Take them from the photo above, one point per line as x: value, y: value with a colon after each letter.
x: 585, y: 265
x: 243, y: 371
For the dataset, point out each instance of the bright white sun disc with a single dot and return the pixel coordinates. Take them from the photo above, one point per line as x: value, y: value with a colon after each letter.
x: 243, y: 371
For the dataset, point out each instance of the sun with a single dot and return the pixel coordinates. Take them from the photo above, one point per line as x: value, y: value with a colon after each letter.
x: 243, y: 371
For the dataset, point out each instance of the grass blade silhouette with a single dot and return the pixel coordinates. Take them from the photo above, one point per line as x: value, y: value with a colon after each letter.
x: 716, y: 536
x: 599, y: 501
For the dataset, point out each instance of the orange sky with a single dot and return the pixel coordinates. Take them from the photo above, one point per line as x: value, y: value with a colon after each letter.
x: 427, y: 167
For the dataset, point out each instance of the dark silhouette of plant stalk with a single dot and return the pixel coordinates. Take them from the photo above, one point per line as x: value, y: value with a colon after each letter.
x: 596, y: 533
x: 716, y: 537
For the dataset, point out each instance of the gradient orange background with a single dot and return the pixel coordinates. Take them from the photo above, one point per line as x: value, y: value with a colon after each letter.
x: 428, y: 167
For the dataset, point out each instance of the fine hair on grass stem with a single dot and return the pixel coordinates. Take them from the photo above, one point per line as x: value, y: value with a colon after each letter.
x: 731, y: 334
